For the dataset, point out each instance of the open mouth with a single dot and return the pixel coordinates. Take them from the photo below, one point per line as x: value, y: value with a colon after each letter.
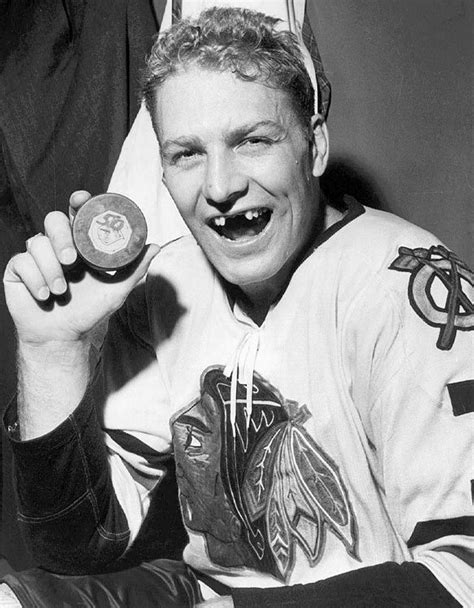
x: 243, y: 225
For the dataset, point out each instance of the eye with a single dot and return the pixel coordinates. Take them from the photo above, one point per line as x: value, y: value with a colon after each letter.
x: 254, y: 145
x: 184, y: 156
x: 257, y: 141
x: 192, y: 439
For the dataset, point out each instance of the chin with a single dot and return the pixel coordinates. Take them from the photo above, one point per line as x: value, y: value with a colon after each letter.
x: 260, y: 280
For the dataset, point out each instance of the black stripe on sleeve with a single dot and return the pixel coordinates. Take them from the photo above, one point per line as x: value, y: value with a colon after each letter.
x: 462, y: 397
x: 427, y: 531
x: 387, y: 585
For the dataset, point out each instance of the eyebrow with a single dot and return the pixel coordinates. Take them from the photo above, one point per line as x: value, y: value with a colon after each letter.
x: 254, y: 126
x: 186, y: 141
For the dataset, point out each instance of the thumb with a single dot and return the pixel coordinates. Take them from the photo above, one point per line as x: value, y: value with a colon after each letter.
x: 143, y: 263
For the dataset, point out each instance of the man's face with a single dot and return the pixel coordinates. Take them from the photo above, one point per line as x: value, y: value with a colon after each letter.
x: 239, y: 165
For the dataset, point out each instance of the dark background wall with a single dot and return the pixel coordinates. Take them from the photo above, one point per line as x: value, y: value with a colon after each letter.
x: 401, y: 120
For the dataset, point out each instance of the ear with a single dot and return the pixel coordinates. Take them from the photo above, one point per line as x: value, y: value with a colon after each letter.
x: 320, y: 144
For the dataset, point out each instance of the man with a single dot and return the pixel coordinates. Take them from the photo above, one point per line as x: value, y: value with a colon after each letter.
x: 297, y: 359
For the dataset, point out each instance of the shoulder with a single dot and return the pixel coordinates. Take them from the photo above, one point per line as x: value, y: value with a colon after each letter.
x: 431, y: 285
x: 379, y: 252
x: 357, y: 256
x: 407, y: 294
x: 373, y: 238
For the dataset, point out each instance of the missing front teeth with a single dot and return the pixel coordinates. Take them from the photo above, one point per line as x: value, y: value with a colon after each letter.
x: 250, y: 215
x: 241, y: 225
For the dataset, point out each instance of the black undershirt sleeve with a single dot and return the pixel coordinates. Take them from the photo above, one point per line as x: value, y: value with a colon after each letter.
x: 385, y: 585
x: 67, y: 508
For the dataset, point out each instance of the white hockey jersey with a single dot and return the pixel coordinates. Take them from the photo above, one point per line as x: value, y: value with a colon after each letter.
x: 334, y: 436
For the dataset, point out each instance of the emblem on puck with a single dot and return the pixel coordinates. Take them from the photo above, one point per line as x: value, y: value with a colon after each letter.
x: 110, y: 232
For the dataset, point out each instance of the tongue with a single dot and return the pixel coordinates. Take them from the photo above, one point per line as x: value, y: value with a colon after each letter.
x: 239, y: 227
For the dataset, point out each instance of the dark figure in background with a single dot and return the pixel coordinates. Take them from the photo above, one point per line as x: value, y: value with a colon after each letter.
x: 69, y: 91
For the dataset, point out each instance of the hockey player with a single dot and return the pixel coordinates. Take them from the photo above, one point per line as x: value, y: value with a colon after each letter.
x: 307, y: 366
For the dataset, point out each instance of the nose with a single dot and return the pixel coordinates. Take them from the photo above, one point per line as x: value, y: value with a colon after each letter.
x: 224, y: 182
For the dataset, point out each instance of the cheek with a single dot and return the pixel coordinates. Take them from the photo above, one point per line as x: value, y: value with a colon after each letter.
x: 184, y: 190
x: 288, y: 175
x: 301, y: 190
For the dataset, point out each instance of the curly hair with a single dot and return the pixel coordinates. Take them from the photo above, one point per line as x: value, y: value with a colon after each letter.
x: 236, y: 40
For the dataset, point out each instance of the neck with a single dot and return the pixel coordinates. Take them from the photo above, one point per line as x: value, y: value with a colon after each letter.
x: 256, y: 299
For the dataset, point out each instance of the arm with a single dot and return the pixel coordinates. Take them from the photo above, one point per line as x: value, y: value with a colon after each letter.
x: 55, y: 314
x: 415, y: 405
x: 43, y: 372
x: 67, y: 509
x: 71, y: 485
x: 387, y: 584
x: 61, y: 440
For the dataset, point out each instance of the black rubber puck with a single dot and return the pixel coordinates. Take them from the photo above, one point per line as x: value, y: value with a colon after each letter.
x: 109, y: 231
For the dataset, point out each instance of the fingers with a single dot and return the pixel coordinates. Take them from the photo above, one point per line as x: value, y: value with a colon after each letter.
x: 22, y: 269
x: 40, y: 268
x: 41, y: 262
x: 76, y: 200
x: 58, y: 229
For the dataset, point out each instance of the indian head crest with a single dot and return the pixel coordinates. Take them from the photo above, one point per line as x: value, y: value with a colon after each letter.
x: 276, y: 488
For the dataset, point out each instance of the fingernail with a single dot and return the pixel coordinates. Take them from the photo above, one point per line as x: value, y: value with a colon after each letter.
x: 59, y: 286
x: 43, y: 293
x: 68, y: 255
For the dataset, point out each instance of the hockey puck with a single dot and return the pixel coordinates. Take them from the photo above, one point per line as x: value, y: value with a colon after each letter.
x: 109, y: 231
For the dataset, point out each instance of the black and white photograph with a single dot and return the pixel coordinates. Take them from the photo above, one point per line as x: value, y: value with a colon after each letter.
x: 237, y: 309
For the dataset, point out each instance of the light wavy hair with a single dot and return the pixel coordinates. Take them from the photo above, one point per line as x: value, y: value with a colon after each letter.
x: 241, y: 41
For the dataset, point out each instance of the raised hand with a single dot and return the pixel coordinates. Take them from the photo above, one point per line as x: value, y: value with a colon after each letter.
x: 49, y: 298
x: 56, y: 302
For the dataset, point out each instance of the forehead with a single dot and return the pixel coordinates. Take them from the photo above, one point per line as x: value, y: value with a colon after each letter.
x: 197, y: 100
